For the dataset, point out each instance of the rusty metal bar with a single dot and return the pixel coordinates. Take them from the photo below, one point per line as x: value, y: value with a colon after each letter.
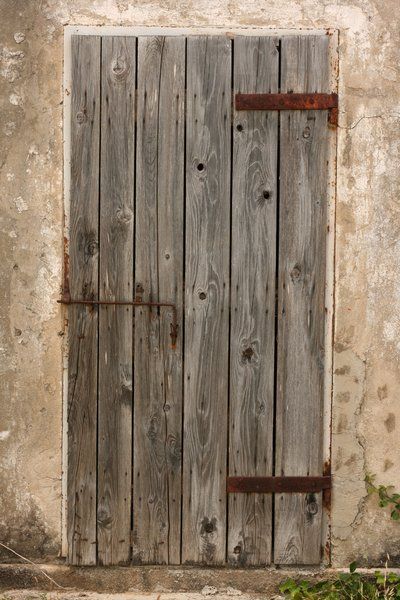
x: 278, y: 485
x: 116, y: 302
x: 174, y: 325
x: 292, y: 101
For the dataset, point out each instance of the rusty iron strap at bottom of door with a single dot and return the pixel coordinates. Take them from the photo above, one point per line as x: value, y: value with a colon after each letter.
x: 174, y: 324
x: 277, y: 485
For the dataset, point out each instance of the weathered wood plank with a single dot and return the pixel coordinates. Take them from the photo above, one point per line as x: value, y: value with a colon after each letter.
x: 207, y: 298
x: 116, y: 283
x: 83, y: 321
x: 302, y: 234
x: 254, y: 201
x: 159, y: 273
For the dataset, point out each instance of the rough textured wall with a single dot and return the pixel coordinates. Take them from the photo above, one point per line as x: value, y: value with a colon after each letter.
x: 367, y: 340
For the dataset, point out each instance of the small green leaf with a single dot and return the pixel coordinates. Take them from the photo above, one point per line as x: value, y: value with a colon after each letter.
x: 288, y: 586
x: 352, y: 567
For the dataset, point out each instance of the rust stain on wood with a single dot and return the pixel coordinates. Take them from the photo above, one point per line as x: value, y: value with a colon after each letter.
x: 65, y: 288
x: 327, y: 492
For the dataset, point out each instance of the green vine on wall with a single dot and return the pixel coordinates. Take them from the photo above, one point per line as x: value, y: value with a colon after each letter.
x: 386, y: 496
x: 353, y: 585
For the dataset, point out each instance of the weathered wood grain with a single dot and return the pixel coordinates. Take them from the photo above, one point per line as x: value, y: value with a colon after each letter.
x: 159, y: 273
x: 83, y: 321
x: 100, y: 358
x: 116, y: 283
x: 302, y: 234
x: 253, y: 256
x: 208, y: 150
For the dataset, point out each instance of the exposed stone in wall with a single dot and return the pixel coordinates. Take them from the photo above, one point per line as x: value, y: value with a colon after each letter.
x: 367, y: 346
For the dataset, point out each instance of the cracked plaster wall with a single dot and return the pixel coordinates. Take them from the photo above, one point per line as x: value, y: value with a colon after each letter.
x: 366, y: 407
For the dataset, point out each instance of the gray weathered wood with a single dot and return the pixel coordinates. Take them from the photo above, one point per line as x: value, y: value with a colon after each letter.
x: 302, y: 231
x: 116, y: 283
x: 159, y: 276
x: 83, y: 321
x: 254, y: 201
x: 159, y: 272
x: 207, y: 298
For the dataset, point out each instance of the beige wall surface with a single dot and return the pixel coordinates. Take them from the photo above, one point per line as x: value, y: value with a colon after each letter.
x: 366, y: 397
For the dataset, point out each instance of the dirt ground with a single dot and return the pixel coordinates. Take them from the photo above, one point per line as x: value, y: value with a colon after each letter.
x: 208, y: 592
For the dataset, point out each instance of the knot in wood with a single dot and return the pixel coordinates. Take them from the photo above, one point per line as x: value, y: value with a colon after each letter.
x: 312, y: 508
x: 295, y: 273
x: 306, y: 132
x: 247, y: 354
x: 208, y: 526
x: 92, y: 247
x: 153, y: 429
x: 265, y: 195
x: 119, y: 67
x: 124, y: 215
x: 139, y: 292
x: 81, y: 117
x: 103, y: 518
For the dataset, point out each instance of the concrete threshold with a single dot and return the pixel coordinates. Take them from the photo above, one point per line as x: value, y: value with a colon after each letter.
x: 150, y: 579
x: 160, y: 580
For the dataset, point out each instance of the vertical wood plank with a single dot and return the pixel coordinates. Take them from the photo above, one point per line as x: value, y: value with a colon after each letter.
x: 254, y: 202
x: 116, y: 283
x: 302, y: 234
x: 83, y: 321
x: 159, y: 277
x: 208, y: 142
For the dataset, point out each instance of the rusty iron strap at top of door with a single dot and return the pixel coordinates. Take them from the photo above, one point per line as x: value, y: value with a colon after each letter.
x: 174, y: 325
x: 290, y: 101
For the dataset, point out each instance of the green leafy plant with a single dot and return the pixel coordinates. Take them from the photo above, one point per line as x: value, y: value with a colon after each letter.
x: 386, y: 496
x: 345, y: 586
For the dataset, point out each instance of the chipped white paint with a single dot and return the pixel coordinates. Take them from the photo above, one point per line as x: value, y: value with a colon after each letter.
x: 19, y: 37
x: 9, y: 128
x: 20, y: 204
x: 15, y: 99
x: 33, y: 150
x: 11, y: 63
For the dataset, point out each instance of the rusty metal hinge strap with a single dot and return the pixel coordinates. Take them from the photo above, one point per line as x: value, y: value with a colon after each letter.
x: 277, y: 485
x: 292, y: 101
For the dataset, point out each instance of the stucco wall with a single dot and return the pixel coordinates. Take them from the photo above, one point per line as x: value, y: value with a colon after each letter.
x: 366, y: 408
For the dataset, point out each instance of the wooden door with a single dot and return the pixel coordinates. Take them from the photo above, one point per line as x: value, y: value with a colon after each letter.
x: 196, y: 301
